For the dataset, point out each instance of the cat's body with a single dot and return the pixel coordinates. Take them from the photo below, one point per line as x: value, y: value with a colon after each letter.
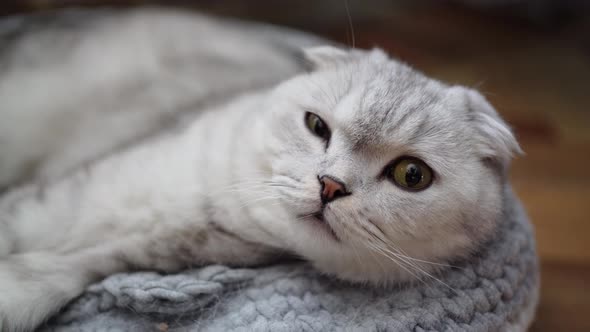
x: 246, y: 181
x: 124, y: 213
x: 77, y: 84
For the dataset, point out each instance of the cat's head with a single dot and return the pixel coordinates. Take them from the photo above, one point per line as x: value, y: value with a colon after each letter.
x: 382, y: 169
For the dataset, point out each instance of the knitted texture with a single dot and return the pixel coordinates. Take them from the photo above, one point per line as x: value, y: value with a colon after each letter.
x: 486, y: 293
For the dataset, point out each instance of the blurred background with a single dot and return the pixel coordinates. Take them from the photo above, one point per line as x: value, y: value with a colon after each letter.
x: 531, y: 58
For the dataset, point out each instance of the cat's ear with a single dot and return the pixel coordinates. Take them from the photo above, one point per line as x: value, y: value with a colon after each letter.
x: 495, y: 138
x: 324, y: 57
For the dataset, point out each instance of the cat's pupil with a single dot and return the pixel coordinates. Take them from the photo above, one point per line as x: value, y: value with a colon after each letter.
x: 315, y: 124
x: 319, y: 128
x: 413, y: 175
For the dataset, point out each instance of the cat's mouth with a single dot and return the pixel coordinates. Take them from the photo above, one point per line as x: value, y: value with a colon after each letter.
x: 318, y: 219
x: 319, y: 216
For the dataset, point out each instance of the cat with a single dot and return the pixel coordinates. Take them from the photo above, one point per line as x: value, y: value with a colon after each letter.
x: 361, y: 165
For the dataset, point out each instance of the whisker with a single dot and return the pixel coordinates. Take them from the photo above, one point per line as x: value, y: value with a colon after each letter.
x: 396, y: 261
x: 409, y: 261
x: 400, y: 262
x: 371, y: 252
x: 258, y: 199
x: 417, y: 267
x: 356, y: 254
x: 349, y: 22
x: 305, y: 216
x: 400, y: 251
x: 317, y: 87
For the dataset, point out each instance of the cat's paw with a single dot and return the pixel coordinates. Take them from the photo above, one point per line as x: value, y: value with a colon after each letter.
x: 34, y: 286
x: 18, y: 310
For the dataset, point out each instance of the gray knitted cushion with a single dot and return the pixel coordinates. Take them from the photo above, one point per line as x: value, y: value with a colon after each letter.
x: 495, y: 291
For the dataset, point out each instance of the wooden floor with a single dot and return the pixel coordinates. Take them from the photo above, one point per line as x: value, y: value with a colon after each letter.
x: 537, y: 75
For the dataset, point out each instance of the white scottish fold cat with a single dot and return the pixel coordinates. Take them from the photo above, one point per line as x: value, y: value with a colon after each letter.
x: 364, y: 167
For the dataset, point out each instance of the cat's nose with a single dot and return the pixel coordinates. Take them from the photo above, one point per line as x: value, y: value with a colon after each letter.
x: 332, y: 188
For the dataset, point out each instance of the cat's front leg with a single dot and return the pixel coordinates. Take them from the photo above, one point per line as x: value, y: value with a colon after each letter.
x: 54, y: 249
x: 42, y: 265
x: 35, y: 285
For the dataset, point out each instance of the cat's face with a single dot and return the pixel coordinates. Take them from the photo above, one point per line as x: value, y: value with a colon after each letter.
x: 382, y: 169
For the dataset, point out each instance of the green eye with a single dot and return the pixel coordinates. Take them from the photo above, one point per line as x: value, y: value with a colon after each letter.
x: 317, y: 126
x: 411, y: 173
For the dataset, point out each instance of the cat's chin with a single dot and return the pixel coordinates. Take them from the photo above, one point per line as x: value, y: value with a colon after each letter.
x: 336, y: 254
x: 359, y: 268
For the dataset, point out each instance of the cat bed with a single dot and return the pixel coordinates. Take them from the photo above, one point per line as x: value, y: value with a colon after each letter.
x: 496, y: 290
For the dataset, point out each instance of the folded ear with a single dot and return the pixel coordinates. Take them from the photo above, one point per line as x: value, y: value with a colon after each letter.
x: 495, y: 138
x: 324, y: 57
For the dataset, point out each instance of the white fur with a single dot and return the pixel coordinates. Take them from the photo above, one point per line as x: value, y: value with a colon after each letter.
x: 71, y: 95
x: 232, y: 186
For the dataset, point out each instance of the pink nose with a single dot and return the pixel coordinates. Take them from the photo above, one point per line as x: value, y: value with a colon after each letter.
x: 331, y: 189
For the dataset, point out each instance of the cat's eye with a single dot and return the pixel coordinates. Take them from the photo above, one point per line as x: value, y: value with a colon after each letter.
x: 410, y: 173
x: 317, y: 126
